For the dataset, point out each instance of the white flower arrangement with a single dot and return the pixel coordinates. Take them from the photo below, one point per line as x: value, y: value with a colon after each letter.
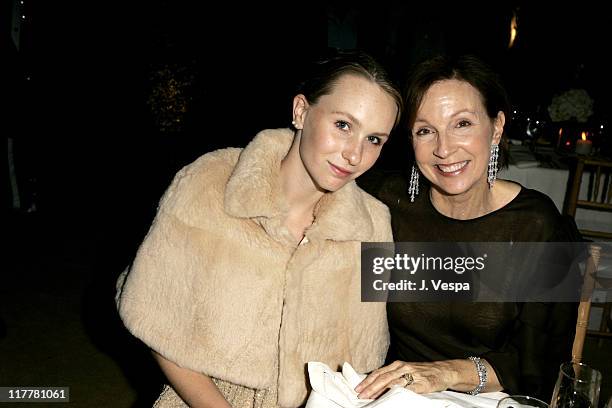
x: 573, y: 104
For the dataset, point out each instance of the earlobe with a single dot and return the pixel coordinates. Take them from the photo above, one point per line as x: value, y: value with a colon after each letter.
x: 300, y: 107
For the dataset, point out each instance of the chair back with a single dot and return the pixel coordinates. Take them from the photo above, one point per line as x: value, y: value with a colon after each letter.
x: 599, y: 192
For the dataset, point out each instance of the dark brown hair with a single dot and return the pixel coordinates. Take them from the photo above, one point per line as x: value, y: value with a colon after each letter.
x: 467, y: 68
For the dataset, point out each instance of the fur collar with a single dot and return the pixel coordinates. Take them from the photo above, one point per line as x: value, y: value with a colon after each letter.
x: 254, y: 191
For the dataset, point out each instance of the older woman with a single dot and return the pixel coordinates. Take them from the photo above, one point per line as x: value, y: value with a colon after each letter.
x: 457, y: 110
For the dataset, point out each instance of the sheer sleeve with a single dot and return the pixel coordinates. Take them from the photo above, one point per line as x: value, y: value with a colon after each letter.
x: 541, y: 338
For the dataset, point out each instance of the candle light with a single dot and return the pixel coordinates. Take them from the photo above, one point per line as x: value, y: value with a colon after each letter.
x: 583, y: 145
x: 559, y: 138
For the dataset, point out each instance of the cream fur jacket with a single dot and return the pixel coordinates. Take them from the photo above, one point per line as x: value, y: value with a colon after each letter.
x: 219, y: 287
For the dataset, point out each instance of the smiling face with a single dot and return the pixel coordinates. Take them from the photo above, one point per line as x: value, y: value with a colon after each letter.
x: 343, y: 132
x: 452, y: 137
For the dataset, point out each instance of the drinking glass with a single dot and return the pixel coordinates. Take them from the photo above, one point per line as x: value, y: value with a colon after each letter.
x: 577, y: 387
x: 521, y: 401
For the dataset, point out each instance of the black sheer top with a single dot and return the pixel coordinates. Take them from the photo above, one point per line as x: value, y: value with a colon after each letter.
x: 524, y: 342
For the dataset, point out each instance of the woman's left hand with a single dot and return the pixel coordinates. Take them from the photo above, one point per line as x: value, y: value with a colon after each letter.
x: 426, y: 377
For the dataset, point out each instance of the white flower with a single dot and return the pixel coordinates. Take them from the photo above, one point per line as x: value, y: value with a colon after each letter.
x: 572, y: 104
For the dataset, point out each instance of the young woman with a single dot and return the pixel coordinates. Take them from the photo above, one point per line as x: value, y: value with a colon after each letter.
x: 251, y: 268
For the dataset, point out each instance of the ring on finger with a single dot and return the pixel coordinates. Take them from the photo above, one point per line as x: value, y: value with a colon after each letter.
x: 408, y: 377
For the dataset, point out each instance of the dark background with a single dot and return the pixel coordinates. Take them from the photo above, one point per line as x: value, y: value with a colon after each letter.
x: 85, y: 125
x: 82, y: 96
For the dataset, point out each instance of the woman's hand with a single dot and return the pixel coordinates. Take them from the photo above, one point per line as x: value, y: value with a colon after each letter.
x: 458, y: 375
x: 427, y: 377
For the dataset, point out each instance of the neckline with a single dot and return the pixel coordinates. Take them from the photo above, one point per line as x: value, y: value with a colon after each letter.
x: 433, y: 207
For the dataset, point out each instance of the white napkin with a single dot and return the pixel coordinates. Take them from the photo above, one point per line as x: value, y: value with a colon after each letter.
x: 332, y: 389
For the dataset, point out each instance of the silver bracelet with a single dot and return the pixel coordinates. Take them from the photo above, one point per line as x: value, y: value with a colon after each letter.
x: 481, y: 369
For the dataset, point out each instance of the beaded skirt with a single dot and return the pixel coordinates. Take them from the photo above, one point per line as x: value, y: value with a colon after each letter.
x: 238, y: 396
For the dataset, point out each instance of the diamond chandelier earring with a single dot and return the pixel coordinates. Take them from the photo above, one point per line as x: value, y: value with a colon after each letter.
x: 492, y: 175
x: 413, y: 188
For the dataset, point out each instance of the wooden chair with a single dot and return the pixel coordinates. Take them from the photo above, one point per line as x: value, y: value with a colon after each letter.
x: 584, y: 308
x: 598, y: 197
x: 591, y: 282
x: 599, y: 194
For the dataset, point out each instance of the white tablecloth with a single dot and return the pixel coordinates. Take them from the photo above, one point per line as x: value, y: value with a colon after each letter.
x: 553, y: 183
